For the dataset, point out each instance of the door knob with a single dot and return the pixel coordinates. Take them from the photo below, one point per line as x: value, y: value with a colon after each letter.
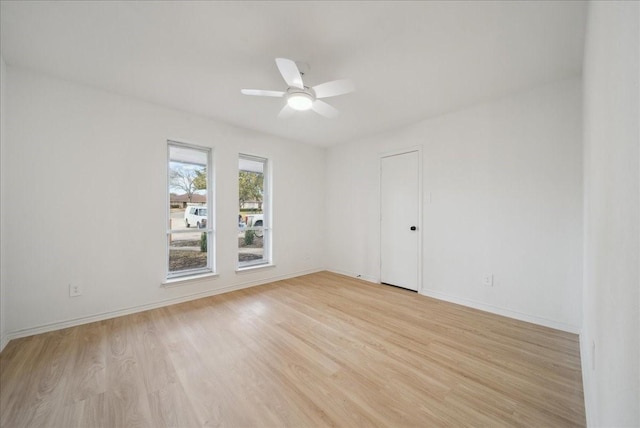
x: 413, y: 228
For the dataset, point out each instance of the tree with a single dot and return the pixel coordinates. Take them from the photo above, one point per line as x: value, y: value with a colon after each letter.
x: 200, y: 182
x: 188, y: 180
x: 251, y: 185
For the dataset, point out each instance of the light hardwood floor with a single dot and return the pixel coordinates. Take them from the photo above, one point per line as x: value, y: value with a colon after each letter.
x: 317, y: 350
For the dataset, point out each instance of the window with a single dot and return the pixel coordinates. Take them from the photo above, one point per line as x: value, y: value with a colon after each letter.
x: 190, y: 237
x: 254, y: 232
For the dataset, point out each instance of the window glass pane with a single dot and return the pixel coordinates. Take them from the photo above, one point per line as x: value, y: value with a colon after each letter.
x: 251, y: 240
x: 187, y: 179
x: 189, y: 229
x: 187, y: 251
x: 252, y: 199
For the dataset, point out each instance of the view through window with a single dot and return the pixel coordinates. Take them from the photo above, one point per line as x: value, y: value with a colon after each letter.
x: 253, y: 216
x: 190, y: 230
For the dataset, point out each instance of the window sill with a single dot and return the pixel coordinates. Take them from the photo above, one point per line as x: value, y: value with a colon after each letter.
x: 172, y: 282
x: 254, y: 268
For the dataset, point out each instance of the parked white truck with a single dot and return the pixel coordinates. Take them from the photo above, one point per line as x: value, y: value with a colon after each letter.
x: 255, y: 222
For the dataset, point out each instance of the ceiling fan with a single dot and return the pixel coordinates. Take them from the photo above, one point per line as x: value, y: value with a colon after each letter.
x: 300, y: 97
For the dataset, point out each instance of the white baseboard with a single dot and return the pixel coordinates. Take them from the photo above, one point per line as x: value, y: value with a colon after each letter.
x: 355, y: 275
x: 4, y: 339
x: 478, y: 305
x: 158, y: 304
x: 141, y: 308
x: 502, y: 311
x: 587, y: 388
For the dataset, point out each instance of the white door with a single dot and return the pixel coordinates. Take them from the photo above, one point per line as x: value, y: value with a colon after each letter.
x: 399, y: 215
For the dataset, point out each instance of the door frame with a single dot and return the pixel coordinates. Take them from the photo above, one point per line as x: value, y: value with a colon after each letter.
x: 420, y: 207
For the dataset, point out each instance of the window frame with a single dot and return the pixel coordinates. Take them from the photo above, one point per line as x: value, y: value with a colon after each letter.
x: 210, y: 268
x: 267, y: 256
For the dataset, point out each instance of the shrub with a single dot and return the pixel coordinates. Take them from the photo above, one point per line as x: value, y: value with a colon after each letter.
x: 248, y: 237
x: 203, y: 242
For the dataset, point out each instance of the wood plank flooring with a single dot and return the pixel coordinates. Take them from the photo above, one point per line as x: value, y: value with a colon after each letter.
x: 317, y: 350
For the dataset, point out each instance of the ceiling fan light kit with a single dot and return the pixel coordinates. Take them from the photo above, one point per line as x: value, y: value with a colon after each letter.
x: 300, y: 97
x: 300, y: 101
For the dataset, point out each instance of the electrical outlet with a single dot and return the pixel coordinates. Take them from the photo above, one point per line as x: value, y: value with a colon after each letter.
x: 487, y: 280
x: 75, y: 290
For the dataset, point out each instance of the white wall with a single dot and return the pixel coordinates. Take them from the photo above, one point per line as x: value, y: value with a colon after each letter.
x: 612, y: 215
x: 3, y: 121
x: 505, y: 180
x: 85, y: 202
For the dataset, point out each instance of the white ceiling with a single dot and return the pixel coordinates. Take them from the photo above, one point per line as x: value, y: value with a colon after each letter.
x: 408, y: 60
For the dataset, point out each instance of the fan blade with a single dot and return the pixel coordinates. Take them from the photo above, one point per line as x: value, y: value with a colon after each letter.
x: 290, y: 72
x: 286, y: 112
x: 324, y: 109
x: 334, y: 88
x: 261, y: 93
